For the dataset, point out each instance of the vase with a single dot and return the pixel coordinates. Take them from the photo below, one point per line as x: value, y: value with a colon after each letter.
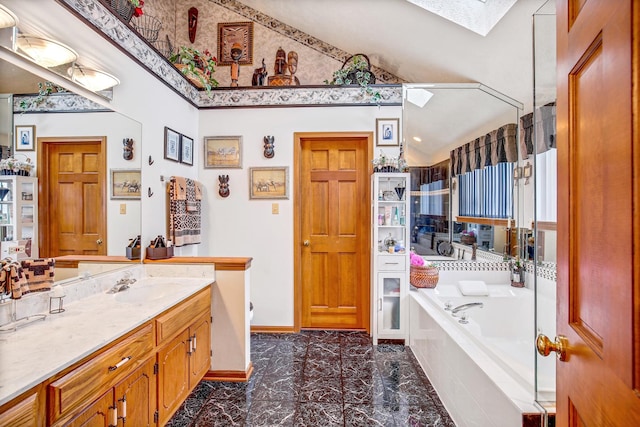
x: 124, y: 8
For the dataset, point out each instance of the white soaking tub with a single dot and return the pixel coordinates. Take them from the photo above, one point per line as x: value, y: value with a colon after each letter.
x: 483, y: 371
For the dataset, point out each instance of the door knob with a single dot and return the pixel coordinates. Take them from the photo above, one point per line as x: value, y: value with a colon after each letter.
x: 99, y: 241
x: 559, y: 346
x: 306, y: 243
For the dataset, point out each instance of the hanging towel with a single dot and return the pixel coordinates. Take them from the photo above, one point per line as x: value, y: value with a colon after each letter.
x: 184, y: 213
x: 39, y: 274
x: 12, y: 278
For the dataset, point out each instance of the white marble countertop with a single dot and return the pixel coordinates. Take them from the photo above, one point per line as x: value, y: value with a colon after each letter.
x: 38, y: 351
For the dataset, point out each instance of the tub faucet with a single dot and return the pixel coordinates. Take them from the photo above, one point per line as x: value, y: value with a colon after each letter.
x: 464, y: 307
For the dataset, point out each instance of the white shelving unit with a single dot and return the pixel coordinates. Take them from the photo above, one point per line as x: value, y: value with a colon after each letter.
x: 19, y: 216
x: 390, y: 267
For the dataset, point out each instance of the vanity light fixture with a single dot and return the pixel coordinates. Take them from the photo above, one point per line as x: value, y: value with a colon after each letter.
x: 45, y: 52
x: 8, y: 19
x: 92, y: 79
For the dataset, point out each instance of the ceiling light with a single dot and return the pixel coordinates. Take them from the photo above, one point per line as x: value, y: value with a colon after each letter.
x: 418, y: 97
x: 92, y: 79
x: 417, y: 139
x: 45, y: 52
x: 7, y: 18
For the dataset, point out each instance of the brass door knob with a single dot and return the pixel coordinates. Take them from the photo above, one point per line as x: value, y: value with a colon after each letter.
x: 99, y: 241
x: 545, y: 346
x: 306, y: 243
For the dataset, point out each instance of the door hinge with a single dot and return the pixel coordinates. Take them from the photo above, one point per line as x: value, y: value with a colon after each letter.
x: 211, y: 319
x: 210, y: 352
x: 156, y: 368
x: 156, y: 416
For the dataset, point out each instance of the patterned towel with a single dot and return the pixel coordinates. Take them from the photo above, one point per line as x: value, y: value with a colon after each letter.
x: 184, y: 214
x: 39, y: 274
x: 12, y: 278
x: 180, y: 188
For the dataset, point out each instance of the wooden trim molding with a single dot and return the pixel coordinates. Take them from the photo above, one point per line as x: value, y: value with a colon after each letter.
x: 481, y: 220
x: 221, y: 263
x: 274, y: 329
x: 230, y: 376
x: 547, y: 226
x: 72, y: 261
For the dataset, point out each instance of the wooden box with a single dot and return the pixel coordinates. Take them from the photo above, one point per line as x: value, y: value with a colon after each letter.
x: 159, y: 253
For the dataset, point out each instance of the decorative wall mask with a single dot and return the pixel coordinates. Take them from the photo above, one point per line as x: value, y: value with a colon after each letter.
x: 269, y: 142
x: 224, y: 185
x: 128, y: 148
x: 193, y: 23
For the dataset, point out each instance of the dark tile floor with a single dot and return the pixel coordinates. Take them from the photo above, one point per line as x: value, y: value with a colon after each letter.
x: 326, y: 378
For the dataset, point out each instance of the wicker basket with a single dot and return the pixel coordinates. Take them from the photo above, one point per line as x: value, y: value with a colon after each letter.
x: 148, y: 26
x: 422, y: 276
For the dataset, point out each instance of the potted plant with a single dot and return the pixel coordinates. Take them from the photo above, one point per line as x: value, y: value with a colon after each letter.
x: 197, y: 66
x: 356, y: 71
x: 44, y: 89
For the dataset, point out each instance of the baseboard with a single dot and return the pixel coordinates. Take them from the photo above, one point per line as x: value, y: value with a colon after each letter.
x: 230, y: 376
x: 274, y: 329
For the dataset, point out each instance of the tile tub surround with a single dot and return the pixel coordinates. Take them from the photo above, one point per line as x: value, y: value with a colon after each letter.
x: 92, y: 319
x: 319, y: 378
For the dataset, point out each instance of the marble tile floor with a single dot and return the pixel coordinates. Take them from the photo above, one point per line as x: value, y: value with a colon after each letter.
x: 319, y: 378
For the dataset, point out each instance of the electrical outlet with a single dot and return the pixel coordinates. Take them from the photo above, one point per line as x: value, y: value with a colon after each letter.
x: 275, y: 208
x: 123, y: 208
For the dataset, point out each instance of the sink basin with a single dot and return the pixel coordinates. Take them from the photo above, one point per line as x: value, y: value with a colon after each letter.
x: 137, y: 294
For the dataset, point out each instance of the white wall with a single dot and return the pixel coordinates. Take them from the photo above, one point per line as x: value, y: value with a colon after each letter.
x: 238, y: 226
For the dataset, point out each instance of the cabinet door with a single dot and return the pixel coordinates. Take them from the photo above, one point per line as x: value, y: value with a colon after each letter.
x: 390, y: 316
x: 98, y: 414
x: 201, y: 348
x: 173, y: 375
x: 23, y: 414
x: 136, y: 397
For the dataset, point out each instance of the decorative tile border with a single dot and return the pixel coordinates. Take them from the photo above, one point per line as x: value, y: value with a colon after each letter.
x: 56, y: 102
x: 472, y: 266
x: 100, y: 17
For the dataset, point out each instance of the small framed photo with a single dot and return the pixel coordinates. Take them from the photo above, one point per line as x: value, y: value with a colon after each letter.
x: 25, y: 137
x: 230, y: 33
x: 269, y: 183
x: 222, y: 152
x: 171, y: 144
x: 387, y: 132
x: 126, y: 184
x: 186, y: 150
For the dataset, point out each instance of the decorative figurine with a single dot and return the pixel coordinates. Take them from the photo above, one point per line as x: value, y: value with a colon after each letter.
x: 236, y: 54
x: 292, y: 65
x: 224, y: 185
x: 281, y: 67
x: 259, y: 75
x: 193, y: 23
x: 269, y: 142
x: 128, y: 148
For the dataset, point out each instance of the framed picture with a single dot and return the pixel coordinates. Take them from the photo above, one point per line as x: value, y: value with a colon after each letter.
x: 25, y: 136
x: 186, y: 150
x: 387, y: 132
x: 222, y: 152
x: 269, y: 183
x: 126, y: 183
x: 235, y: 32
x: 171, y: 144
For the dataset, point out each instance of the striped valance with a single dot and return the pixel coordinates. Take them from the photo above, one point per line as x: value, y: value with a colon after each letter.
x: 542, y: 129
x: 497, y: 146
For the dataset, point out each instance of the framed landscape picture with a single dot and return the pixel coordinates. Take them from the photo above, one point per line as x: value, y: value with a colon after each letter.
x: 269, y: 183
x: 222, y: 152
x: 126, y: 183
x: 171, y: 145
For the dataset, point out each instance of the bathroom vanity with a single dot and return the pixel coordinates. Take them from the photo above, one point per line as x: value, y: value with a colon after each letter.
x: 132, y: 356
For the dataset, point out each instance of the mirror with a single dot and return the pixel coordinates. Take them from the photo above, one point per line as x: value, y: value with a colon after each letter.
x: 122, y: 214
x: 438, y: 118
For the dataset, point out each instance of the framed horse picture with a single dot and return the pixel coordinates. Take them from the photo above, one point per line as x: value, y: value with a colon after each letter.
x: 222, y: 152
x: 269, y: 183
x: 126, y: 184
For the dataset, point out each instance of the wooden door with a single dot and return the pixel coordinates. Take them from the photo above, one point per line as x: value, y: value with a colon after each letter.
x: 138, y: 390
x: 73, y: 197
x: 333, y: 217
x: 598, y: 193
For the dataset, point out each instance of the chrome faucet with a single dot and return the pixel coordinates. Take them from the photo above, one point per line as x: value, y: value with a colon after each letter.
x: 464, y: 307
x: 122, y: 284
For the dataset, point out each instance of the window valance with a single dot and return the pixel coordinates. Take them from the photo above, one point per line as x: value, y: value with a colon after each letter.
x: 497, y: 146
x: 429, y: 174
x: 542, y: 128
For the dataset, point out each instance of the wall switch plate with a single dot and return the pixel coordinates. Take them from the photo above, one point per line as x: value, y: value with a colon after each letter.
x: 275, y: 208
x: 123, y: 208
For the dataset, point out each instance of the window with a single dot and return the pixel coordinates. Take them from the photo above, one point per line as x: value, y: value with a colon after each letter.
x: 487, y: 192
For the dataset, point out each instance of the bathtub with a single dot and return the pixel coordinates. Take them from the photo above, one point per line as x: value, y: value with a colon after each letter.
x: 483, y: 371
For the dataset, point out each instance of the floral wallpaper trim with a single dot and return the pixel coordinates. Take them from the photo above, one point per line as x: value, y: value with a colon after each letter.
x: 59, y: 103
x: 272, y: 24
x: 98, y: 16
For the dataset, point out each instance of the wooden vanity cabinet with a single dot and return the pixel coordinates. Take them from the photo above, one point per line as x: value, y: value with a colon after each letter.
x: 24, y: 413
x: 184, y: 354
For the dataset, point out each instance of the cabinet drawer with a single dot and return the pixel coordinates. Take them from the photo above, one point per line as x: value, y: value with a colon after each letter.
x: 91, y: 379
x: 392, y: 263
x: 179, y: 317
